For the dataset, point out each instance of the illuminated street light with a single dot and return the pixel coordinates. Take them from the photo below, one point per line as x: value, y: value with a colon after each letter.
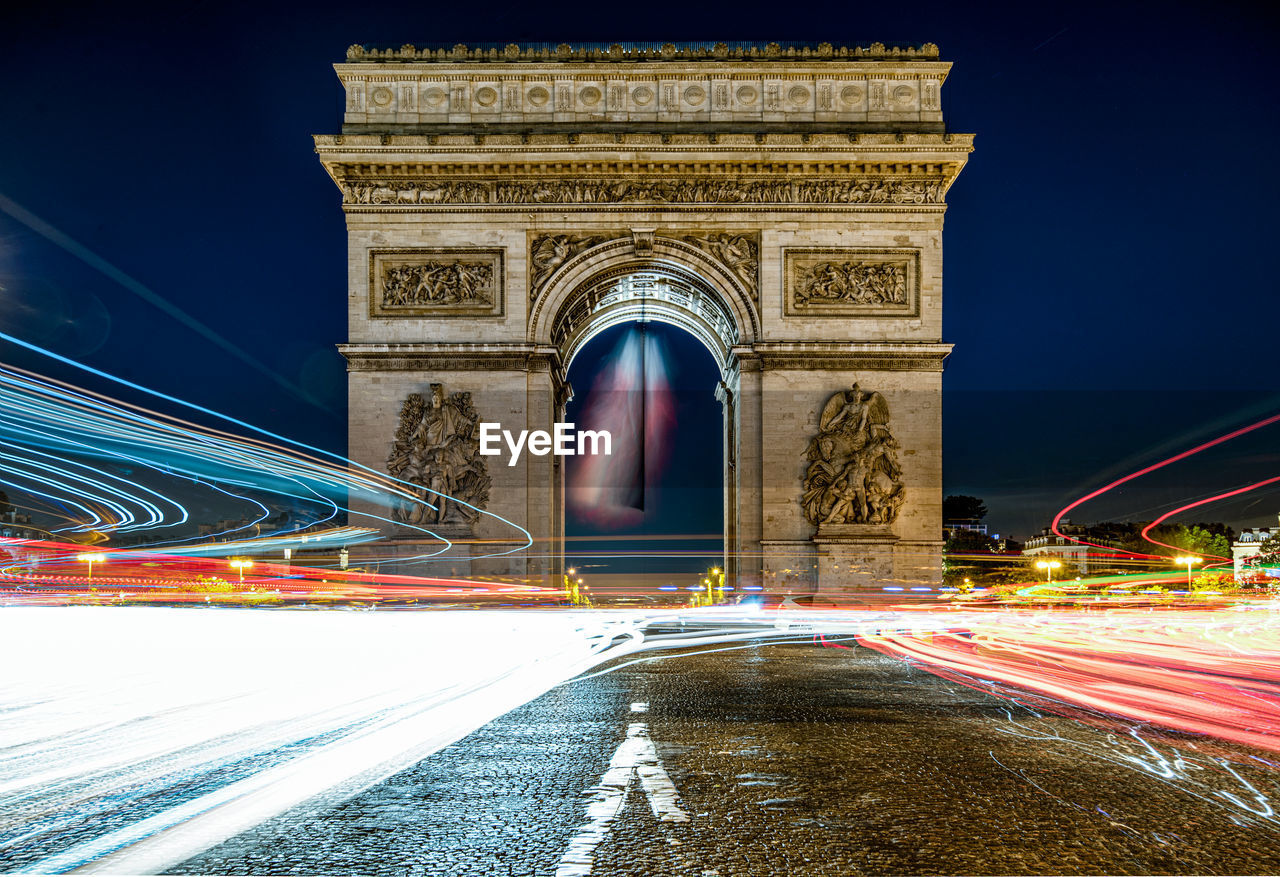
x: 90, y: 558
x: 1188, y: 562
x: 240, y: 565
x: 1048, y: 566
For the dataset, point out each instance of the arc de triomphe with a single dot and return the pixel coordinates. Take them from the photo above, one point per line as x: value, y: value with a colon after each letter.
x: 783, y: 204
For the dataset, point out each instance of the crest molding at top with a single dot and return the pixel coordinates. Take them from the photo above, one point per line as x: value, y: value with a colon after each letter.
x: 633, y: 51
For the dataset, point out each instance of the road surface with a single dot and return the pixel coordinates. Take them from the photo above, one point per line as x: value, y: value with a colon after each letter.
x: 785, y: 759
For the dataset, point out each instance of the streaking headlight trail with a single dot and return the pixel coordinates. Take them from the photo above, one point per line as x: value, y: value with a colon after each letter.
x: 101, y: 465
x: 189, y: 727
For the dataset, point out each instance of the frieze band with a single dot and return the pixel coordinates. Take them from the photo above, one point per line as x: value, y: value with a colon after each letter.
x: 681, y: 191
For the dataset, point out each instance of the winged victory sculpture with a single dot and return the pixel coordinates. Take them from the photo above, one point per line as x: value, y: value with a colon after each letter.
x: 853, y: 476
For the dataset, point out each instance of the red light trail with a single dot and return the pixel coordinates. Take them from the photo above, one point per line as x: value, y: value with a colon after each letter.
x: 1244, y: 430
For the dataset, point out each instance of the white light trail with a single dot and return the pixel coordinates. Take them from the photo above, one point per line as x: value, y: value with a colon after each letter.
x: 175, y: 729
x: 113, y: 703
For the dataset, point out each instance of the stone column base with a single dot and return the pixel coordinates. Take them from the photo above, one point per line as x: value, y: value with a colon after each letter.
x: 854, y: 557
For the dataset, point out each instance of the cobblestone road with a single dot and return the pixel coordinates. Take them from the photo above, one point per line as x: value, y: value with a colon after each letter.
x: 788, y: 759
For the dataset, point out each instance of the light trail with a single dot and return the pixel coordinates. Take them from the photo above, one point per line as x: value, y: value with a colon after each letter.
x: 1215, y: 673
x: 58, y: 573
x: 1146, y: 470
x: 78, y: 454
x: 188, y: 727
x: 1146, y: 531
x: 228, y: 718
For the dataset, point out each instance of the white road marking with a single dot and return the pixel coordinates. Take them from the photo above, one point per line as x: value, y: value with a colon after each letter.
x: 635, y: 757
x: 639, y: 707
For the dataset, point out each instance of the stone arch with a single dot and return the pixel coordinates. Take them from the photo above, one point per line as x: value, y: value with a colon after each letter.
x: 587, y: 294
x: 597, y: 288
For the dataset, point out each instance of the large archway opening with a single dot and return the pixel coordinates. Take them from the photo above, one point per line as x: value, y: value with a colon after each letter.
x: 649, y: 517
x: 709, y: 306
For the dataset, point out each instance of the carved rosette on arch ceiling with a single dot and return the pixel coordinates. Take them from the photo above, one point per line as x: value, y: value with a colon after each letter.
x: 853, y: 475
x: 737, y: 252
x: 437, y: 452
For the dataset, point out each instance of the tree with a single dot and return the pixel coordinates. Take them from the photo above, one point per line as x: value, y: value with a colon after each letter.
x: 969, y: 542
x: 1214, y: 581
x: 1205, y: 540
x: 955, y: 569
x: 963, y: 508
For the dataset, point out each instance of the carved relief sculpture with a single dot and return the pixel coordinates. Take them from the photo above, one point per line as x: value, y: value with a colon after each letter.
x: 853, y: 475
x: 437, y: 451
x: 549, y: 251
x: 848, y: 282
x: 863, y: 283
x: 737, y: 252
x: 435, y: 282
x: 391, y: 193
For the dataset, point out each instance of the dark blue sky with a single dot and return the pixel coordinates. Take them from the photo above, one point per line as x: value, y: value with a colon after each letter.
x: 1109, y: 279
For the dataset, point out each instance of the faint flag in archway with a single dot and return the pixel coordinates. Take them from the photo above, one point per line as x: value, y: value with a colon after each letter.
x: 633, y: 400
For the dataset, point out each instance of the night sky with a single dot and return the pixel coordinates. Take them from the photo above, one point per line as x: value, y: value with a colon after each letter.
x: 1109, y: 250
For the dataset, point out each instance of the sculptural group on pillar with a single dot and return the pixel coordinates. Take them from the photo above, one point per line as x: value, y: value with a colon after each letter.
x: 853, y: 476
x: 437, y: 452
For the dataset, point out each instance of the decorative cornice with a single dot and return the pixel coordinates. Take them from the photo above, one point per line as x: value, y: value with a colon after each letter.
x: 835, y: 355
x: 818, y: 355
x: 450, y: 357
x: 622, y: 52
x: 881, y: 146
x: 378, y: 173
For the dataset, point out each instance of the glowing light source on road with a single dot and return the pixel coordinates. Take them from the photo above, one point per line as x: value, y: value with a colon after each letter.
x: 1048, y: 566
x: 90, y: 558
x: 1188, y: 561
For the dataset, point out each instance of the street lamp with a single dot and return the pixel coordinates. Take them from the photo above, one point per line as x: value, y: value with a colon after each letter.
x: 1048, y: 566
x: 90, y: 558
x: 240, y: 565
x: 1188, y: 562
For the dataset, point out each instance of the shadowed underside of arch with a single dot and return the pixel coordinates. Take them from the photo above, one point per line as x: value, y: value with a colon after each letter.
x: 639, y: 293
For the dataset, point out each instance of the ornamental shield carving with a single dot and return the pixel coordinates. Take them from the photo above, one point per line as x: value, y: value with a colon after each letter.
x: 853, y: 475
x: 437, y: 451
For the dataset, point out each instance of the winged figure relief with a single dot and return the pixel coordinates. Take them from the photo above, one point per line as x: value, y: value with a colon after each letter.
x: 549, y: 252
x: 853, y: 475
